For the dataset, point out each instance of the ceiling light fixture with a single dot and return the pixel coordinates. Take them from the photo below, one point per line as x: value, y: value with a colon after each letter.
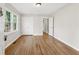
x: 38, y: 4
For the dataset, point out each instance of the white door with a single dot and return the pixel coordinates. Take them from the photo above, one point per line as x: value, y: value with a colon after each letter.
x: 27, y: 25
x: 51, y: 26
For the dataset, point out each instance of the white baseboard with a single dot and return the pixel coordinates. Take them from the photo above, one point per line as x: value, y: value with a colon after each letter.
x: 67, y: 43
x: 37, y: 34
x: 12, y: 42
x: 50, y: 35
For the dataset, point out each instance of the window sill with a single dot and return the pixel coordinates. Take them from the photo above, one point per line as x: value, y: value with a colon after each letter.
x: 8, y: 33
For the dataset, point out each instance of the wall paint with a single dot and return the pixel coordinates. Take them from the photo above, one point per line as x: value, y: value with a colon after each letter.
x: 66, y: 25
x: 1, y: 32
x: 1, y: 36
x: 14, y: 35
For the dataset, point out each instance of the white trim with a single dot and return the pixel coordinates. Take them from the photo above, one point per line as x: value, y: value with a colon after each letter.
x: 12, y: 42
x: 7, y: 33
x: 12, y: 13
x: 66, y: 43
x: 50, y: 34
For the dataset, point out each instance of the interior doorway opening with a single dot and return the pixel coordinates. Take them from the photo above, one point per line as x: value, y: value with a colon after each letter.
x: 45, y: 26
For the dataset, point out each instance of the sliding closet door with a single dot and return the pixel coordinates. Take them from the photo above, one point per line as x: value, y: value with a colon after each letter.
x: 27, y: 25
x: 51, y: 26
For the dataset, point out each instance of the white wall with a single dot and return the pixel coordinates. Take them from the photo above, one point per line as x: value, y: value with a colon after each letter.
x: 32, y: 25
x: 66, y: 24
x: 1, y: 36
x: 14, y: 35
x: 1, y: 33
x: 27, y: 25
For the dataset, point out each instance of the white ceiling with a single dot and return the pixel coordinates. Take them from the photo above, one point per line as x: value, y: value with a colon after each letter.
x: 31, y: 9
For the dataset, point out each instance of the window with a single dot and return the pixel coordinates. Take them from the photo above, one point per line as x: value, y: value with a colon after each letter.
x: 10, y: 21
x: 14, y: 22
x: 7, y: 21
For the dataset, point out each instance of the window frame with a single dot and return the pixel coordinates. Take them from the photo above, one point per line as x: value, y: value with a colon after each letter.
x: 11, y: 18
x: 16, y: 21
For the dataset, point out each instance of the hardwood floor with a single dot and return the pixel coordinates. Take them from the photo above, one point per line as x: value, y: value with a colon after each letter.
x: 39, y: 45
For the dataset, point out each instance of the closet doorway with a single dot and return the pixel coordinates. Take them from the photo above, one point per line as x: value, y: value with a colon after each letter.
x: 45, y: 25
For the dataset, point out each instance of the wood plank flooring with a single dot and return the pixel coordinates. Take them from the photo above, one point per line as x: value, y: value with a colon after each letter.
x: 39, y: 45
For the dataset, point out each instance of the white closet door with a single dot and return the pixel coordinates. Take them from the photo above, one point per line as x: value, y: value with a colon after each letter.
x: 27, y: 25
x: 51, y: 26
